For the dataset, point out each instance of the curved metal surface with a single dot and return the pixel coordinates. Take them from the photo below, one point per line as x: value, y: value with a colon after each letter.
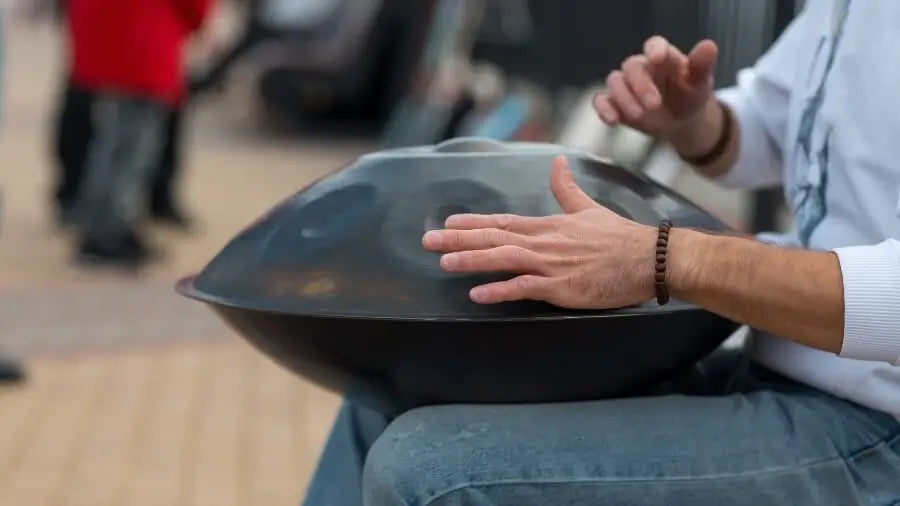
x: 334, y: 284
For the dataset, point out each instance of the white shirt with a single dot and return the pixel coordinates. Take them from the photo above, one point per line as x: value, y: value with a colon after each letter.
x: 820, y: 114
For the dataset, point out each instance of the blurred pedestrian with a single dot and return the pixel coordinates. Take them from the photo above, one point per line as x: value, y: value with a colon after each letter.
x: 128, y: 54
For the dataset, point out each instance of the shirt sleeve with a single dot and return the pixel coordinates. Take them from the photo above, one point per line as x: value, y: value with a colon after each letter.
x: 871, y: 277
x: 760, y: 101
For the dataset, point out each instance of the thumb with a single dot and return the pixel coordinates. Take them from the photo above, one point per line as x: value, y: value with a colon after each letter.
x: 702, y: 62
x: 570, y: 197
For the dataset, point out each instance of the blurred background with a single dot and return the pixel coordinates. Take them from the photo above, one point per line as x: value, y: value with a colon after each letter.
x: 133, y: 395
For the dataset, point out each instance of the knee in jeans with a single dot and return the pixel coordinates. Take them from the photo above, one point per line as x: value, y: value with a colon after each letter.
x: 415, y: 461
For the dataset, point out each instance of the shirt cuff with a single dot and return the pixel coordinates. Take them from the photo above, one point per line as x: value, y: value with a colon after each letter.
x: 871, y: 302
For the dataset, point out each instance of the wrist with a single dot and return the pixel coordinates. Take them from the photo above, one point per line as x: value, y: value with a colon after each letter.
x: 686, y: 251
x: 699, y: 134
x: 642, y: 265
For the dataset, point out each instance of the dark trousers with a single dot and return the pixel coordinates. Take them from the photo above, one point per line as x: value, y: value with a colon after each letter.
x: 122, y: 157
x: 73, y: 131
x: 72, y: 136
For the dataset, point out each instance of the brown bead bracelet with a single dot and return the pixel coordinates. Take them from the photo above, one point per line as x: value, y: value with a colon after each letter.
x: 662, y: 250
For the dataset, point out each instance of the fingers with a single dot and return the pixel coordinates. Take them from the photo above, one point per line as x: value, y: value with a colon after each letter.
x: 656, y: 49
x: 663, y: 58
x: 503, y: 259
x: 509, y: 222
x: 634, y: 89
x: 605, y: 109
x: 570, y: 196
x: 638, y: 87
x: 622, y: 97
x: 445, y: 241
x: 637, y: 72
x: 480, y: 231
x: 702, y: 62
x: 525, y: 287
x: 473, y: 221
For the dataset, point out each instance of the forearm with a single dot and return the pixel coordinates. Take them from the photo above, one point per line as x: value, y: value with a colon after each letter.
x: 795, y: 294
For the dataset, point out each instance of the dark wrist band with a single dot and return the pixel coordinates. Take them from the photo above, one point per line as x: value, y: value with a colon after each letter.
x: 662, y: 252
x: 721, y: 145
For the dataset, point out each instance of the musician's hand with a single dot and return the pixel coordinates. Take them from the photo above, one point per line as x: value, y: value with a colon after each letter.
x: 661, y: 90
x: 588, y: 258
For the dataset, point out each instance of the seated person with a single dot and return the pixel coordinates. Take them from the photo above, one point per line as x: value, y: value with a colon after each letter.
x: 807, y: 413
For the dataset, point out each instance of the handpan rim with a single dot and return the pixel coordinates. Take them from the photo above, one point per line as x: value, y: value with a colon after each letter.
x: 187, y: 288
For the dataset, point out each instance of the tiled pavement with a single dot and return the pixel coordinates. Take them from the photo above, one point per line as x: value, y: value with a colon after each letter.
x: 185, y: 424
x: 80, y: 315
x: 137, y: 396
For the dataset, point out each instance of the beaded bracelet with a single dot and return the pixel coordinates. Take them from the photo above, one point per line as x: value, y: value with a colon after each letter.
x: 662, y: 249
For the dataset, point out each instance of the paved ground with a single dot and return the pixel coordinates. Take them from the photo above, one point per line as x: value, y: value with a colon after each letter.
x: 136, y: 395
x: 200, y: 424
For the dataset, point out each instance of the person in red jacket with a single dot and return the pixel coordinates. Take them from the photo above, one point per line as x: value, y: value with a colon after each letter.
x: 128, y: 53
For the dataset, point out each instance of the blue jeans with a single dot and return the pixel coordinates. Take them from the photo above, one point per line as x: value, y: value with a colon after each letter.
x: 735, y: 434
x: 125, y: 148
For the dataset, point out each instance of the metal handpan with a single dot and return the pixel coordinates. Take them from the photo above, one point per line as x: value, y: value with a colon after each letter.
x: 334, y: 284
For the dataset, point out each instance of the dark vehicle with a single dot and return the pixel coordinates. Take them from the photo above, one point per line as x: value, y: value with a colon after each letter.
x: 324, y: 60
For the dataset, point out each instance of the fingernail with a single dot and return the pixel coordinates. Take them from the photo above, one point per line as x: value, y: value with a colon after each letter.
x: 432, y: 238
x: 450, y: 260
x: 478, y: 294
x: 635, y: 111
x: 451, y: 221
x: 651, y: 100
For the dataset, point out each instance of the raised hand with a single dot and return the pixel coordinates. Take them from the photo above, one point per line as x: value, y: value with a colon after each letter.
x: 661, y: 90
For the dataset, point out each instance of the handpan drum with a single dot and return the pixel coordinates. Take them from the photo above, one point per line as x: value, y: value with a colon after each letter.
x: 334, y: 284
